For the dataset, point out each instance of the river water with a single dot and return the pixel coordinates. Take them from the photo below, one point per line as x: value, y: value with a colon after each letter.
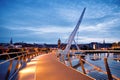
x: 97, y: 59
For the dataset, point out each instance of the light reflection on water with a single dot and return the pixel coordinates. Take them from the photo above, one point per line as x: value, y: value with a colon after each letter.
x: 97, y: 59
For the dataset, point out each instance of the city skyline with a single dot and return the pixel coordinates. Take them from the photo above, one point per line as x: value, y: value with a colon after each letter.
x: 46, y: 21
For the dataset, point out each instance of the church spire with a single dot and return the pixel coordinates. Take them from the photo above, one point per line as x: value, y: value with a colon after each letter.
x: 11, y: 42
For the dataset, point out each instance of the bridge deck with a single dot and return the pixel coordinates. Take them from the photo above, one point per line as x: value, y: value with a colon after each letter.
x: 49, y: 68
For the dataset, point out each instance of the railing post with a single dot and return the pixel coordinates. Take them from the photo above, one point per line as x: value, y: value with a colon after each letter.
x: 24, y: 58
x: 35, y: 54
x: 82, y: 65
x: 69, y: 60
x: 9, y: 69
x: 17, y: 65
x: 62, y: 57
x: 27, y: 57
x: 107, y: 69
x: 32, y: 55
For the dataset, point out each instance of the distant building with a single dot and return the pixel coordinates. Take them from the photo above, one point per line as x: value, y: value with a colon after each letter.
x: 94, y: 45
x: 11, y: 42
x: 59, y: 43
x: 104, y: 46
x: 116, y: 45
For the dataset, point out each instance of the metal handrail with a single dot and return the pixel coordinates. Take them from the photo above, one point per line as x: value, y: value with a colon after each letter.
x: 20, y: 57
x: 99, y: 69
x: 95, y: 67
x: 12, y: 59
x: 12, y: 53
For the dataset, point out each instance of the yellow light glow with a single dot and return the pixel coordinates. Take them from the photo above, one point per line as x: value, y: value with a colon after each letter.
x: 28, y: 73
x: 32, y: 63
x: 19, y: 66
x: 31, y: 66
x: 27, y: 70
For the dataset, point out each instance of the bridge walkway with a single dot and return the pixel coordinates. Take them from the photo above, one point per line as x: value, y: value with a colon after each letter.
x: 47, y: 67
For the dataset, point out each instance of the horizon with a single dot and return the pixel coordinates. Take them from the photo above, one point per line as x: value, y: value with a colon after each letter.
x: 42, y: 21
x: 57, y: 43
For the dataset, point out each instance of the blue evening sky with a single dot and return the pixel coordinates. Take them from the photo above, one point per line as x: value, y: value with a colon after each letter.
x: 45, y: 21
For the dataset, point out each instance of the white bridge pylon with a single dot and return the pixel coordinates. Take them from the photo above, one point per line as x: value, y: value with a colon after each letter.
x: 72, y: 35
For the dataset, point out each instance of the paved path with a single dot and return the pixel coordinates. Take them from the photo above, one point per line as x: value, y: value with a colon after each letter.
x: 49, y: 68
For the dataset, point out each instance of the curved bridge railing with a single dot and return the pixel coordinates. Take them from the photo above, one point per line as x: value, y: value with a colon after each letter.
x: 11, y: 63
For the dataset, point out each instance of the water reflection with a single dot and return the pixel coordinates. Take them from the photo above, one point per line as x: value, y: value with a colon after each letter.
x: 100, y: 56
x: 95, y: 57
x: 94, y: 64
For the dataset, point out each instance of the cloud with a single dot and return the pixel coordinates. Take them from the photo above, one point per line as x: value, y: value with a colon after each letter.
x: 88, y: 31
x: 100, y: 27
x: 69, y: 14
x: 54, y: 19
x: 46, y: 29
x: 92, y: 39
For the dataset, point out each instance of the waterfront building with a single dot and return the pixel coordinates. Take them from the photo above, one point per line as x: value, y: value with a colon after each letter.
x: 116, y: 45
